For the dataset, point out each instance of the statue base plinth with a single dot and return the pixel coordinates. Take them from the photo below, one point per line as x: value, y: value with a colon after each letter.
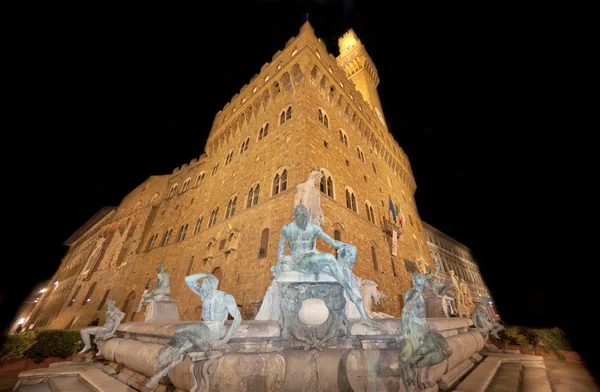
x: 270, y: 306
x: 164, y: 309
x: 313, y: 314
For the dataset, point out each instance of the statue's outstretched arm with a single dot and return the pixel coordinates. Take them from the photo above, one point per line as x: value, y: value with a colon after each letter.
x: 334, y: 243
x: 192, y: 282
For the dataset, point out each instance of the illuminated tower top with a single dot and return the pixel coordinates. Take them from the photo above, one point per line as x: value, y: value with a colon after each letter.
x: 359, y: 68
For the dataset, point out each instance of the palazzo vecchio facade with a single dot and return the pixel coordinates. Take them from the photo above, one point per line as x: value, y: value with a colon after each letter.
x: 223, y: 211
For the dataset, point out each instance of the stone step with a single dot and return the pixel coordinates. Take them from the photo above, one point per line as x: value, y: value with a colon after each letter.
x: 507, y: 378
x: 68, y: 384
x: 479, y: 379
x: 34, y: 385
x: 535, y: 378
x: 100, y: 381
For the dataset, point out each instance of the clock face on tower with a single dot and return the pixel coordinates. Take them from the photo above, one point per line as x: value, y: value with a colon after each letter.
x: 379, y: 115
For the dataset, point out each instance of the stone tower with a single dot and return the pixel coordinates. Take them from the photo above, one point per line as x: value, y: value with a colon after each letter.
x: 360, y: 69
x: 222, y: 212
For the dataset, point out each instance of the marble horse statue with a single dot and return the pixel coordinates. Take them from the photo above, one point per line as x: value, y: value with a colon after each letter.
x: 371, y: 295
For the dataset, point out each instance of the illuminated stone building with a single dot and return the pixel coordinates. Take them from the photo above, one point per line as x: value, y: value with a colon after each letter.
x: 452, y: 255
x: 222, y: 212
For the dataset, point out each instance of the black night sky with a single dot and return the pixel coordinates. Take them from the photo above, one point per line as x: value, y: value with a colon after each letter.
x: 124, y: 94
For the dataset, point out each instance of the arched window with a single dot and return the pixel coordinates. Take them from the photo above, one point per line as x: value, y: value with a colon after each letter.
x: 265, y: 99
x: 210, y: 249
x: 351, y: 200
x: 347, y: 112
x: 231, y: 208
x: 374, y: 256
x: 285, y: 115
x: 374, y: 168
x: 215, y: 168
x: 326, y: 185
x: 173, y: 190
x: 200, y: 178
x: 280, y: 182
x: 361, y: 155
x: 275, y: 90
x: 72, y: 301
x: 256, y: 194
x: 370, y: 215
x: 331, y: 96
x: 250, y: 197
x: 314, y: 73
x: 287, y: 82
x: 253, y: 193
x: 337, y: 235
x: 248, y: 113
x: 198, y: 225
x: 229, y: 158
x: 344, y: 138
x: 213, y: 217
x: 323, y: 118
x: 256, y: 103
x: 297, y: 74
x: 182, y: 232
x: 323, y: 84
x: 230, y: 238
x: 244, y: 146
x: 152, y: 241
x: 167, y: 237
x: 340, y: 103
x: 264, y: 243
x: 104, y: 298
x: 88, y: 296
x: 264, y: 131
x: 186, y: 184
